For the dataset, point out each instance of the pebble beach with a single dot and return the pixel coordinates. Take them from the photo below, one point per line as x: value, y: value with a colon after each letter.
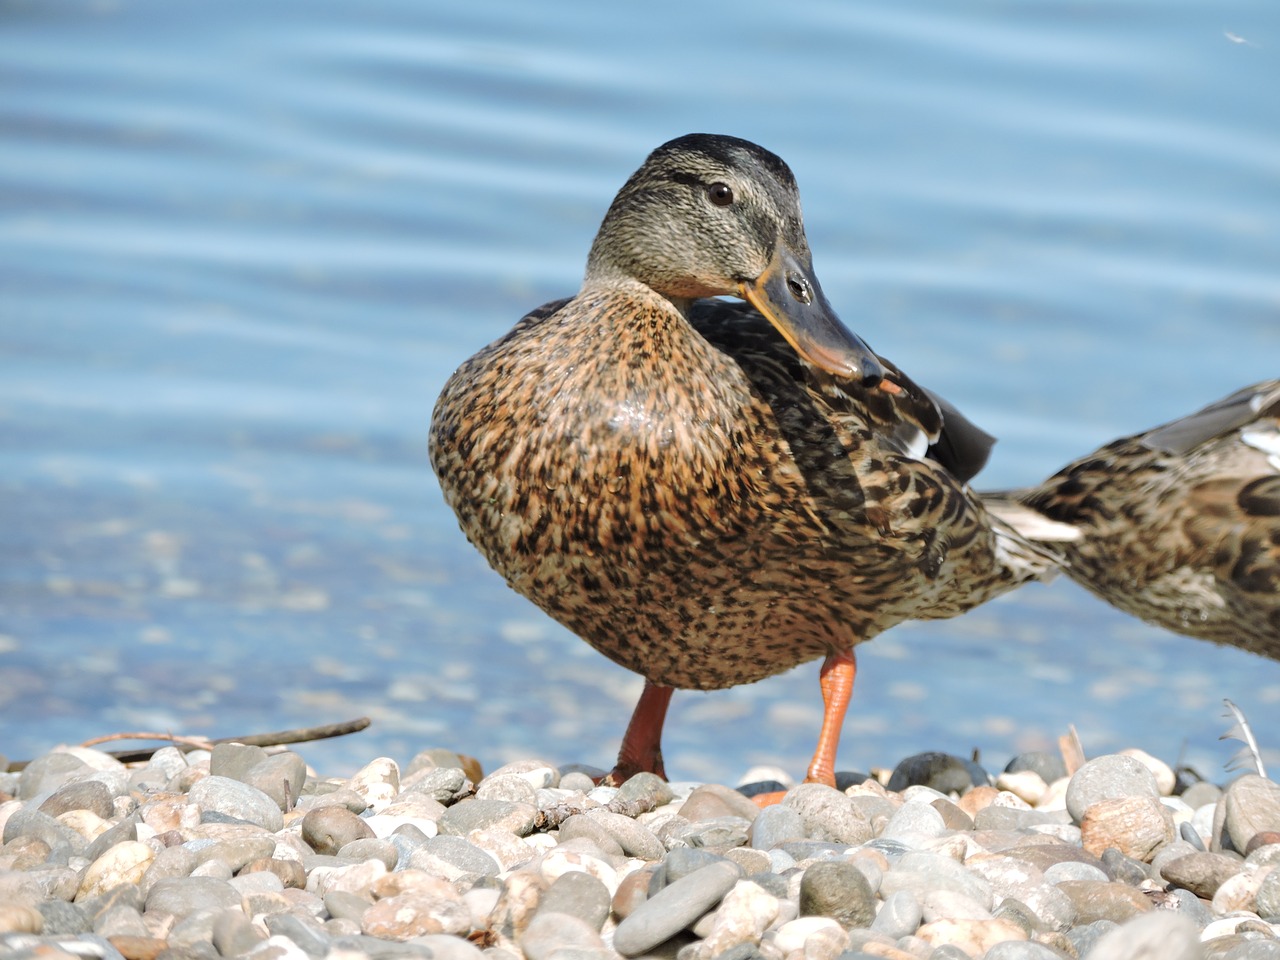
x: 240, y: 851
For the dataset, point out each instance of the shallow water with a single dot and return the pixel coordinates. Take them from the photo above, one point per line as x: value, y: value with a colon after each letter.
x: 242, y: 246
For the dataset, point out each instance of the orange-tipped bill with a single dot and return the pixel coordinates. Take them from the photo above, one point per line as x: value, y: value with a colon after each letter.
x: 788, y: 294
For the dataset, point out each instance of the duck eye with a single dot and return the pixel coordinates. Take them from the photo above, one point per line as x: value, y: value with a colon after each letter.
x: 721, y: 194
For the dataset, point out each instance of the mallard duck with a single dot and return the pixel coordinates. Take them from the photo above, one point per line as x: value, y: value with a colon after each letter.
x: 711, y: 492
x: 1180, y: 525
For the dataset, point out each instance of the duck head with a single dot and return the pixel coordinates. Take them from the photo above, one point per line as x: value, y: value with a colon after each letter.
x: 709, y: 216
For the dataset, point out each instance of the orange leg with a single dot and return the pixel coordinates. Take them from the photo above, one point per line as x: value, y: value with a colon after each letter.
x: 642, y: 743
x: 838, y: 671
x: 836, y: 678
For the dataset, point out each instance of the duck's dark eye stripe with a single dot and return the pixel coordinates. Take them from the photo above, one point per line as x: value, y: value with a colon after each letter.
x: 721, y: 194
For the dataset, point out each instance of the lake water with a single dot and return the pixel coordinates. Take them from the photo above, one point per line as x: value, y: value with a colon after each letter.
x: 242, y: 245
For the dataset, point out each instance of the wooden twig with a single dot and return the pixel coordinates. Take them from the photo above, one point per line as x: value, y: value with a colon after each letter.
x: 187, y: 744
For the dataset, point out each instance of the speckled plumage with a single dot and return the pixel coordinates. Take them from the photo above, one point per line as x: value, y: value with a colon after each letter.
x: 664, y: 475
x: 1181, y: 524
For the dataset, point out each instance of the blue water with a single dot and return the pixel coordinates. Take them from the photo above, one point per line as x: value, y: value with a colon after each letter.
x: 242, y: 245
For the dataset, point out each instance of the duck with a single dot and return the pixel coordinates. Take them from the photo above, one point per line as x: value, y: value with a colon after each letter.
x: 1179, y: 525
x: 695, y: 466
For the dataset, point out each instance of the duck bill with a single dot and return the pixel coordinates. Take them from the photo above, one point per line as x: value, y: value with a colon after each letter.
x: 788, y: 294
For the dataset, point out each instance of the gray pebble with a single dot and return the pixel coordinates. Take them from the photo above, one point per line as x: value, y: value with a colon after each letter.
x: 461, y: 853
x: 467, y: 815
x: 1074, y: 870
x: 237, y: 801
x: 91, y: 795
x: 578, y: 895
x: 1124, y: 869
x: 345, y: 906
x: 1160, y: 935
x: 443, y: 784
x: 1192, y: 907
x: 827, y: 814
x: 182, y: 896
x: 47, y: 773
x: 914, y: 820
x: 717, y: 833
x: 837, y: 889
x: 309, y: 940
x: 1190, y: 834
x: 634, y: 839
x: 1201, y: 873
x: 1049, y: 766
x: 126, y: 829
x: 949, y: 951
x: 280, y: 776
x: 646, y: 788
x: 580, y: 826
x: 121, y: 920
x: 576, y: 780
x: 329, y: 829
x: 557, y: 935
x: 681, y: 862
x: 233, y: 933
x: 371, y: 848
x: 1021, y: 950
x: 899, y: 916
x: 507, y: 786
x: 30, y: 822
x: 1267, y: 899
x: 1252, y: 805
x: 1253, y: 950
x: 235, y: 854
x: 1105, y: 778
x: 61, y: 917
x: 939, y: 771
x: 170, y: 863
x: 235, y: 760
x: 673, y: 908
x: 939, y: 872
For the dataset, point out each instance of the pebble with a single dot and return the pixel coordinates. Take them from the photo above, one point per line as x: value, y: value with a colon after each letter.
x: 1107, y: 778
x: 673, y: 908
x: 237, y: 851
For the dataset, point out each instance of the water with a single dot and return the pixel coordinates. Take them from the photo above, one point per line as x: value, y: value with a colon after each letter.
x: 243, y: 245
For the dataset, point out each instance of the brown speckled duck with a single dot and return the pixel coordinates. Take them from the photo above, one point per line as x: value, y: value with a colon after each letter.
x: 709, y: 492
x: 1180, y: 526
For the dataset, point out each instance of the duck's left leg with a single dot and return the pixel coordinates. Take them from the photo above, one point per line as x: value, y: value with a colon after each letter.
x: 642, y: 743
x: 836, y: 679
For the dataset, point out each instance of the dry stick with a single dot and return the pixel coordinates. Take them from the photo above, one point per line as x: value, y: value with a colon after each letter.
x: 186, y: 744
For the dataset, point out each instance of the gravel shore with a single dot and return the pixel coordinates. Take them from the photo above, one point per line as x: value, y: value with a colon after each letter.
x: 240, y: 852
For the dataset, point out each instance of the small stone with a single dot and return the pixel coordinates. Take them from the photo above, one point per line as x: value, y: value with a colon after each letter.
x: 940, y: 771
x: 712, y: 800
x: 1104, y: 901
x: 559, y: 935
x: 673, y: 908
x: 719, y: 833
x: 742, y: 918
x: 1252, y: 806
x: 1123, y: 868
x: 838, y: 889
x: 580, y: 826
x: 61, y: 917
x: 914, y: 821
x: 234, y: 934
x: 775, y: 825
x: 1238, y: 893
x: 239, y: 801
x: 378, y: 782
x: 234, y: 760
x: 949, y: 905
x: 19, y: 918
x: 413, y: 914
x: 578, y: 895
x: 828, y: 814
x: 510, y: 787
x: 142, y: 948
x: 461, y: 818
x: 1014, y: 950
x: 459, y: 852
x: 1027, y: 785
x: 794, y: 934
x: 280, y: 776
x: 973, y: 937
x: 47, y: 773
x: 1161, y: 935
x: 119, y: 833
x: 516, y: 905
x: 122, y: 865
x: 634, y: 839
x: 1163, y: 773
x: 899, y: 916
x: 1201, y: 873
x: 1108, y: 778
x: 1049, y: 766
x: 633, y: 890
x: 310, y: 940
x: 328, y: 829
x: 647, y: 789
x: 290, y: 872
x: 90, y: 795
x: 181, y: 896
x: 1134, y: 825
